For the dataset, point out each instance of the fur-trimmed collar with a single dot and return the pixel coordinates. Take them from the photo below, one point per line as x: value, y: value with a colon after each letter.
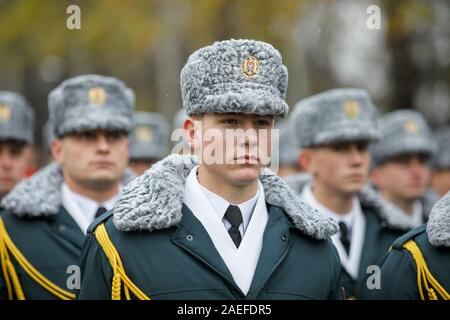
x: 154, y: 200
x: 40, y: 195
x: 438, y: 227
x: 369, y: 197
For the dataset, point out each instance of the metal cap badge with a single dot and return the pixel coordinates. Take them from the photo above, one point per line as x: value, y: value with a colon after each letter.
x: 250, y: 67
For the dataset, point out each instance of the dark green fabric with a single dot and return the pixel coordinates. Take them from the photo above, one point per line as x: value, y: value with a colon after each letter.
x: 399, y: 272
x: 182, y: 263
x: 51, y: 244
x: 377, y: 241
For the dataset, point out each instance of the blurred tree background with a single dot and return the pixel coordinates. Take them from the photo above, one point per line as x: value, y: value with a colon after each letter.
x: 324, y: 43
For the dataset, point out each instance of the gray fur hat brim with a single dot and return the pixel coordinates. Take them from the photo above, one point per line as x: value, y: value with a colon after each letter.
x: 9, y: 131
x: 250, y: 101
x: 346, y: 134
x: 438, y: 227
x: 40, y: 195
x: 391, y: 148
x: 154, y: 200
x: 143, y: 151
x: 99, y: 120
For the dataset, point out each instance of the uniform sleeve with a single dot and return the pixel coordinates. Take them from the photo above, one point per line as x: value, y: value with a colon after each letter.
x: 96, y: 272
x: 398, y: 278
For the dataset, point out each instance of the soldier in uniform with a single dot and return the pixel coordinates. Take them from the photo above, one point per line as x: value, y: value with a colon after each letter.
x: 45, y: 218
x: 16, y: 139
x: 440, y: 174
x: 191, y: 228
x: 418, y: 264
x: 401, y: 163
x: 149, y: 140
x: 334, y: 129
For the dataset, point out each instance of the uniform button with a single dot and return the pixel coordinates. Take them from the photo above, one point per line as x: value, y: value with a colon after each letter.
x: 284, y: 237
x: 62, y: 228
x: 189, y: 237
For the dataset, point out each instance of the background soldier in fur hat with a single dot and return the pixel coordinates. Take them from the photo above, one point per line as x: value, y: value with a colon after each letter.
x: 46, y: 217
x: 149, y: 140
x: 16, y: 139
x: 334, y: 128
x: 193, y: 229
x: 440, y: 175
x: 418, y: 264
x: 401, y: 161
x: 288, y: 151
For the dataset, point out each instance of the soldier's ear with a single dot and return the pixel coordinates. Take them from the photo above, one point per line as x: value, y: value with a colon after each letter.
x: 188, y: 126
x: 56, y: 149
x: 304, y: 159
x: 376, y: 177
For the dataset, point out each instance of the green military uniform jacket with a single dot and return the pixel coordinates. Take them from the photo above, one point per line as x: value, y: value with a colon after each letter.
x: 45, y: 234
x: 400, y: 269
x: 167, y: 253
x: 383, y: 224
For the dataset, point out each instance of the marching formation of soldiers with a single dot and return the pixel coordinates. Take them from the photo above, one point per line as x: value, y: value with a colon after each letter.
x: 359, y: 207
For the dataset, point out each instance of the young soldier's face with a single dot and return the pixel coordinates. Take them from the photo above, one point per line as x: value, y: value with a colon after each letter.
x: 233, y: 147
x: 14, y: 158
x: 343, y: 168
x: 94, y: 159
x: 440, y: 181
x: 405, y: 177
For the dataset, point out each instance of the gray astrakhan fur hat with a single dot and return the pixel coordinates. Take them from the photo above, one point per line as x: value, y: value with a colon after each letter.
x: 335, y: 116
x: 235, y: 76
x: 16, y: 118
x: 90, y: 102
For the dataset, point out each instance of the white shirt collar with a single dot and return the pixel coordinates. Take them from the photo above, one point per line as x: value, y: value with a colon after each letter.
x: 417, y: 214
x: 347, y: 218
x: 356, y: 225
x: 81, y: 208
x: 221, y: 205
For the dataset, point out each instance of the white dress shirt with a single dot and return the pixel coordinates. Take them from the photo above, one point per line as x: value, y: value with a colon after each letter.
x: 356, y: 225
x: 81, y: 208
x: 221, y: 205
x: 242, y: 261
x: 417, y: 214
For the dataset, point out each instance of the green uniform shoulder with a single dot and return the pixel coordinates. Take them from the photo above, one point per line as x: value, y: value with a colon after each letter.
x: 398, y: 244
x: 99, y: 220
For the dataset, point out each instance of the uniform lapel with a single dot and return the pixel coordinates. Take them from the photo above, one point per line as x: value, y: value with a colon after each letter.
x: 276, y: 244
x: 194, y: 239
x: 370, y: 247
x: 65, y: 228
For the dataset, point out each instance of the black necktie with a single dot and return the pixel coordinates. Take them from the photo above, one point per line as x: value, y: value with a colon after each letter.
x: 234, y: 217
x: 100, y: 211
x: 345, y: 236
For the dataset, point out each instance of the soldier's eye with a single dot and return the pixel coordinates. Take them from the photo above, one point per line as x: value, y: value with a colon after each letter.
x: 115, y: 135
x: 362, y: 146
x: 230, y: 122
x: 86, y: 136
x: 263, y: 123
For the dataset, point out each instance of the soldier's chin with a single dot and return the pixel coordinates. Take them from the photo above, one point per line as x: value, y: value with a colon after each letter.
x: 103, y: 181
x: 245, y: 174
x: 353, y: 188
